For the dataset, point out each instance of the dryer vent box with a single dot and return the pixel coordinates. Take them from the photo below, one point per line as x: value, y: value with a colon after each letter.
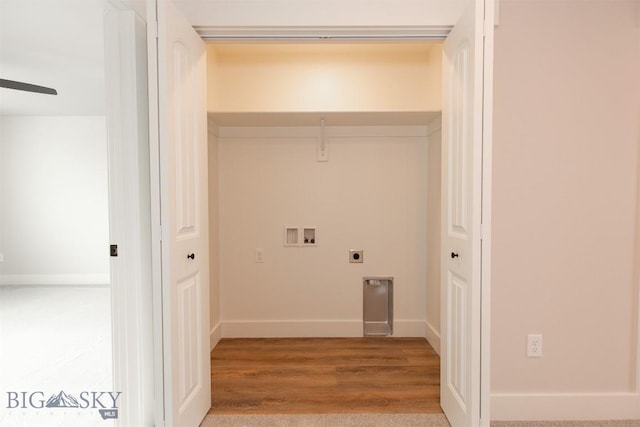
x: 378, y: 306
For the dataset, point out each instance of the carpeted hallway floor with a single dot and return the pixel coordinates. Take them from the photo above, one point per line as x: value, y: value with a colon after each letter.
x: 381, y: 420
x: 327, y: 420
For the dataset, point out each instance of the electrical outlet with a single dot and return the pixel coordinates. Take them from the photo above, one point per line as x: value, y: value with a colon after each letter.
x: 356, y: 256
x: 534, y: 345
x: 259, y: 255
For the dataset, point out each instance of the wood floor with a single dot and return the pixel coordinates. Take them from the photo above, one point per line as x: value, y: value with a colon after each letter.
x: 325, y: 376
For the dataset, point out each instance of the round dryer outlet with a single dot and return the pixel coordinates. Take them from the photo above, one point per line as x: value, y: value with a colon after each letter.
x: 356, y: 255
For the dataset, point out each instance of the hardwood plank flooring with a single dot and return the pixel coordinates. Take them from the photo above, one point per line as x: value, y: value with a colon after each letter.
x: 324, y: 376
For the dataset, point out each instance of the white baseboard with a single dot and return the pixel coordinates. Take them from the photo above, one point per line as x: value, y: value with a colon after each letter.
x: 564, y: 407
x: 312, y: 328
x: 54, y: 279
x: 433, y: 337
x: 408, y: 328
x: 291, y: 329
x: 214, y: 336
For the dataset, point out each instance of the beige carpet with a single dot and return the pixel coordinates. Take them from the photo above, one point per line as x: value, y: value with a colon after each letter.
x: 327, y: 420
x: 381, y: 420
x: 627, y: 423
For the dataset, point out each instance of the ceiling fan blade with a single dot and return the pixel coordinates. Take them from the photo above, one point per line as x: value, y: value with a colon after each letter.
x: 11, y: 84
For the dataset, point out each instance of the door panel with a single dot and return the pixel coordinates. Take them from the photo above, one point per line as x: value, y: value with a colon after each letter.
x: 185, y: 274
x: 185, y: 98
x: 462, y: 131
x: 457, y: 298
x: 458, y: 158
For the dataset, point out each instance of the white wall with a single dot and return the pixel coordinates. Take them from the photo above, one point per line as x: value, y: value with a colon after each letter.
x: 434, y: 182
x: 371, y: 195
x: 324, y: 13
x: 53, y: 200
x: 214, y: 240
x: 565, y: 207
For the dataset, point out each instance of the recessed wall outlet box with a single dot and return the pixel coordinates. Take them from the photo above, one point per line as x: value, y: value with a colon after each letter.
x: 300, y: 236
x: 309, y: 235
x: 291, y: 236
x: 356, y: 255
x: 534, y: 345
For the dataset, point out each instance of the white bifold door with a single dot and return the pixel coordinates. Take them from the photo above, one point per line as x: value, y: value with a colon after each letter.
x: 182, y: 132
x: 465, y: 54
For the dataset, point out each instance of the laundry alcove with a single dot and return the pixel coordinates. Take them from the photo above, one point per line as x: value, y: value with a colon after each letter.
x: 378, y: 191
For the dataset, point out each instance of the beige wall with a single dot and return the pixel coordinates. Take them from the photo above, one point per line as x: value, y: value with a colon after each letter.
x: 324, y: 77
x: 565, y: 199
x: 370, y: 195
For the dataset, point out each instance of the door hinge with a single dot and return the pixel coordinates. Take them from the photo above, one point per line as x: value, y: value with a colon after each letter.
x: 155, y: 28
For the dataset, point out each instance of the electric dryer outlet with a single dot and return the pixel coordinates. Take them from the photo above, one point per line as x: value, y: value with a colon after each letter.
x: 356, y: 256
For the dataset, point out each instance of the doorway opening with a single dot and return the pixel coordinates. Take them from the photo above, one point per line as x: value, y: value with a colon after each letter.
x: 55, y: 281
x: 377, y: 107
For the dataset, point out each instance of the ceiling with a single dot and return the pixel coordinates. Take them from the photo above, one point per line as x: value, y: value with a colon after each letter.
x: 53, y: 43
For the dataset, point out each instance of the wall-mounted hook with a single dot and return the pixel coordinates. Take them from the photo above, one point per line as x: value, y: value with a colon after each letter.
x: 323, y: 146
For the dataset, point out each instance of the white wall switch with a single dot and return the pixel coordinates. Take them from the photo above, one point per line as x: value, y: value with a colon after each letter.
x: 534, y: 345
x: 259, y: 255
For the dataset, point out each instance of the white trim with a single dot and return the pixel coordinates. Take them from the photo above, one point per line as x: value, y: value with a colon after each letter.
x: 637, y: 246
x: 291, y: 329
x: 129, y: 213
x: 433, y: 336
x: 561, y: 406
x: 331, y: 118
x: 638, y: 331
x: 313, y: 328
x: 55, y: 279
x: 408, y: 328
x: 314, y: 132
x: 637, y: 302
x: 322, y: 34
x: 215, y: 336
x: 156, y: 229
x: 487, y: 156
x: 378, y: 14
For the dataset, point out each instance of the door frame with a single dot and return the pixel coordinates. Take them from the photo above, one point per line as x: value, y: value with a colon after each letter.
x: 491, y: 21
x: 399, y: 34
x: 156, y: 223
x: 129, y: 210
x: 372, y: 33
